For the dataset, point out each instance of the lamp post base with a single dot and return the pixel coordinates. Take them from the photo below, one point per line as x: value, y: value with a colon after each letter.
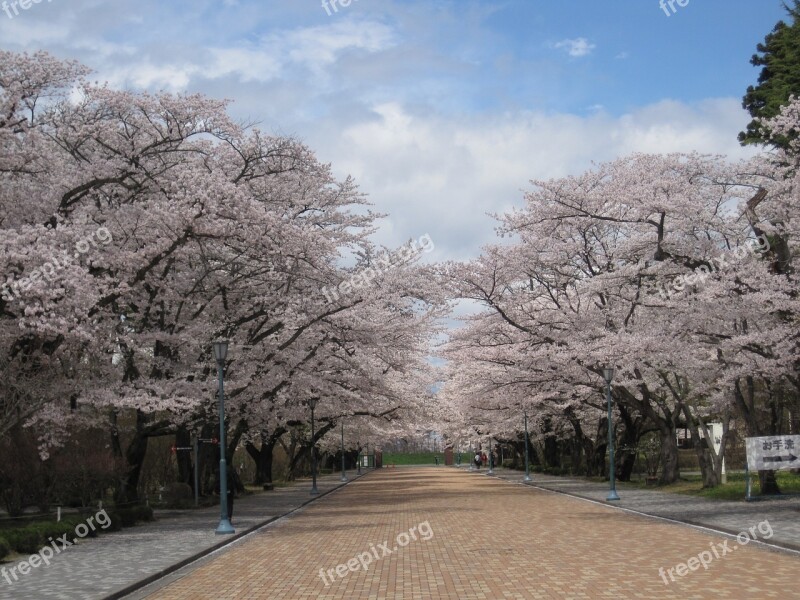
x: 225, y: 527
x: 527, y: 478
x: 612, y: 495
x: 343, y: 478
x: 314, y: 492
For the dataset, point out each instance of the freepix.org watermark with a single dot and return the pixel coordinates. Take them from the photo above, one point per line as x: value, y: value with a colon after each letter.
x: 382, y: 264
x: 706, y: 557
x: 669, y: 5
x: 379, y: 552
x: 11, y: 7
x: 57, y: 546
x: 50, y: 271
x: 329, y: 5
x: 750, y: 248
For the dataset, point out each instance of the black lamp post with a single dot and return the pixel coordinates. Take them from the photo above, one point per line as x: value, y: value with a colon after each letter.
x: 608, y: 375
x: 314, y: 491
x: 224, y: 527
x: 491, y: 459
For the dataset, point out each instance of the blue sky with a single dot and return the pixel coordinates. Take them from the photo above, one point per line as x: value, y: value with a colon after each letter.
x: 443, y: 111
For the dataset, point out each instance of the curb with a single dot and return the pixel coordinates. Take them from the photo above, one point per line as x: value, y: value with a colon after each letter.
x: 150, y: 579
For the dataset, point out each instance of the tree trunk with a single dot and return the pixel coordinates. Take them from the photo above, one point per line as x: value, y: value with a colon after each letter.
x: 582, y: 447
x: 656, y: 411
x: 670, y: 473
x: 596, y: 454
x: 305, y: 446
x: 185, y: 471
x: 209, y: 461
x: 135, y: 453
x: 628, y: 441
x: 769, y: 484
x: 745, y: 402
x: 263, y: 456
x: 700, y: 445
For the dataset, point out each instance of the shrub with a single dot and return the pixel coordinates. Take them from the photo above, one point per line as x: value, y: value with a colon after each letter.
x: 25, y: 540
x: 128, y: 516
x: 145, y: 513
x: 5, y: 548
x: 179, y: 495
x: 115, y: 521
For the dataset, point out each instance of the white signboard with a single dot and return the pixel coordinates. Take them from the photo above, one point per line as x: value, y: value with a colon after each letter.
x: 774, y: 452
x: 365, y: 460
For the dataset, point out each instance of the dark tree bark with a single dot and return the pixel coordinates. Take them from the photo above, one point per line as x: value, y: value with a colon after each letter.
x: 596, y: 452
x: 183, y: 439
x: 628, y: 442
x: 263, y: 456
x: 745, y: 395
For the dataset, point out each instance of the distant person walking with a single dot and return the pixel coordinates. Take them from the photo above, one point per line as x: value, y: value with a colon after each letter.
x: 477, y: 460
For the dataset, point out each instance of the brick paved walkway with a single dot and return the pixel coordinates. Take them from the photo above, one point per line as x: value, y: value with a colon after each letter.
x: 733, y: 517
x: 488, y: 539
x: 100, y: 568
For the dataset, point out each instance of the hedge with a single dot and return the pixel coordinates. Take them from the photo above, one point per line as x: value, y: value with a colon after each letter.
x: 30, y: 538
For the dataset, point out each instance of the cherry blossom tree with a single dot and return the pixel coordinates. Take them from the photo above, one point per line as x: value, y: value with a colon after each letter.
x: 138, y: 228
x: 646, y: 264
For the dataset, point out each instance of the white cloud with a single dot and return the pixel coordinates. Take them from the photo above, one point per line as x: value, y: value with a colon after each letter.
x: 442, y: 174
x: 318, y: 47
x: 404, y: 100
x: 173, y: 78
x: 276, y: 56
x: 576, y: 47
x: 249, y: 64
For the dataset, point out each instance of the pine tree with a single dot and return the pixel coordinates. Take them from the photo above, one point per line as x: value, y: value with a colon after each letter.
x: 779, y: 56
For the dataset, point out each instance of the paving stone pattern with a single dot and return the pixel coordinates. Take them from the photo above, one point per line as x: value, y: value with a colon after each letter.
x: 491, y: 539
x: 783, y: 514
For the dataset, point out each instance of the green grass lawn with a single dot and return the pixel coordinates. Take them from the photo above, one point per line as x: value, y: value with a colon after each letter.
x: 734, y: 489
x: 414, y: 458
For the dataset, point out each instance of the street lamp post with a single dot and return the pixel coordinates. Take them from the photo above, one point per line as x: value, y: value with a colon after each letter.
x: 224, y: 527
x: 491, y: 459
x: 527, y: 455
x: 314, y: 491
x: 344, y: 475
x: 608, y: 375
